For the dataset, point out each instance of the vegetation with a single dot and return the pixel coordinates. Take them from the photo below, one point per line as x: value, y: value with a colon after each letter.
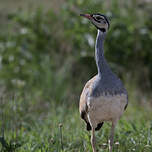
x: 46, y: 57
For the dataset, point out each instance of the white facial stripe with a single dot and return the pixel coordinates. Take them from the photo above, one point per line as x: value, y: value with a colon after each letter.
x: 98, y: 17
x: 100, y: 24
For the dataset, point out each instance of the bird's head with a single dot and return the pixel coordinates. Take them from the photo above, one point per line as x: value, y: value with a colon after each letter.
x: 100, y: 21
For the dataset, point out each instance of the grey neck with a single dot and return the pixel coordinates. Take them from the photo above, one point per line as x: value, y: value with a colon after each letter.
x: 102, y: 65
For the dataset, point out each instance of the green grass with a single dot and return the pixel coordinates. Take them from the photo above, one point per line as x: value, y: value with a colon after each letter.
x: 40, y: 56
x: 33, y: 126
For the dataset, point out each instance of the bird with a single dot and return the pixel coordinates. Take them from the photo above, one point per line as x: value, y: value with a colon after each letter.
x: 104, y: 97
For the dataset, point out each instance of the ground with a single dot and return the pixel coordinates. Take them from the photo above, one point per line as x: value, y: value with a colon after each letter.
x: 36, y: 126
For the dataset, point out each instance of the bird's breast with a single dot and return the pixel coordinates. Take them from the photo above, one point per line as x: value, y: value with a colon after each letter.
x: 107, y: 107
x: 107, y: 86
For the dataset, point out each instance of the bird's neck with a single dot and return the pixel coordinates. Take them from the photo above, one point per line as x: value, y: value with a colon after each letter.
x: 102, y: 65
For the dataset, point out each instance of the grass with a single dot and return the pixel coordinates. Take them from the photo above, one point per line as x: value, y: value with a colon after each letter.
x: 35, y: 126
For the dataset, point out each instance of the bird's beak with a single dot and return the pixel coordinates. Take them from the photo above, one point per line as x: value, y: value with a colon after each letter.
x: 88, y: 16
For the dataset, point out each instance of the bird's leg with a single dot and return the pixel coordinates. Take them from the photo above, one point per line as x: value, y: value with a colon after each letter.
x: 93, y: 140
x: 112, y: 135
x: 93, y: 126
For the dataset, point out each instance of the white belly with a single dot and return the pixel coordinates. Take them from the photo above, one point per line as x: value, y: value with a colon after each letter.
x: 106, y: 108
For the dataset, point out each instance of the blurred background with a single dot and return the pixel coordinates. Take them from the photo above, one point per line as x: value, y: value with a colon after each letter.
x: 47, y: 56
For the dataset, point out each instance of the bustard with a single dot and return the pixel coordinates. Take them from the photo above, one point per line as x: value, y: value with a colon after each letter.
x: 104, y: 97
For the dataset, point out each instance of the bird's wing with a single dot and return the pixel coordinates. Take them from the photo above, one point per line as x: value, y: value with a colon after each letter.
x: 83, y: 98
